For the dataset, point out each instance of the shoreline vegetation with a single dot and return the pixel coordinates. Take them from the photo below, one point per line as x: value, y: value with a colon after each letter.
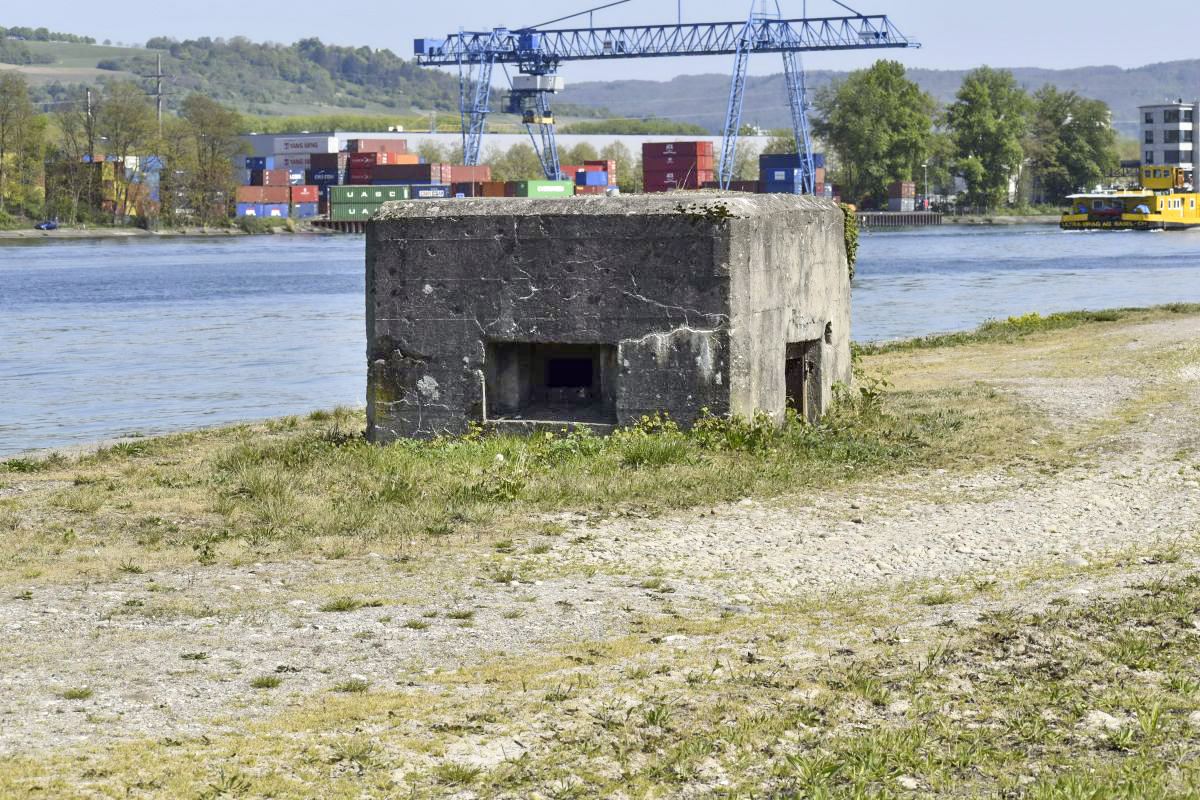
x: 976, y: 577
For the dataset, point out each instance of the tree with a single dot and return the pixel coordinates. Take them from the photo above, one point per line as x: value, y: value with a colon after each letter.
x: 126, y: 121
x: 16, y: 117
x: 879, y: 124
x: 987, y: 122
x: 629, y: 177
x: 579, y: 153
x: 214, y: 131
x: 1071, y: 143
x: 518, y: 163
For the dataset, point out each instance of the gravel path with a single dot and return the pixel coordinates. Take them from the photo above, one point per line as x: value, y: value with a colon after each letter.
x: 174, y: 654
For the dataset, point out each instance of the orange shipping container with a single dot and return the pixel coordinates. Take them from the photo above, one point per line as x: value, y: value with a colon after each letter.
x: 249, y: 194
x: 493, y: 189
x: 275, y: 194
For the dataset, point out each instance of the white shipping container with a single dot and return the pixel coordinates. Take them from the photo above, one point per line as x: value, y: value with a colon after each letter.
x: 292, y: 161
x: 292, y: 145
x: 537, y: 83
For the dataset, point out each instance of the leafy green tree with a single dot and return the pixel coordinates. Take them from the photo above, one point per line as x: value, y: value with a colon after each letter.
x: 518, y: 163
x: 988, y: 121
x: 578, y: 154
x: 879, y: 124
x: 214, y: 131
x: 628, y: 175
x: 1071, y: 142
x: 16, y: 120
x: 782, y: 141
x: 126, y: 122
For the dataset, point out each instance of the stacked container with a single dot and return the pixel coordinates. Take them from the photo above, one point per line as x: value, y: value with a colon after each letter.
x: 358, y: 203
x: 783, y: 173
x: 677, y: 165
x: 902, y: 196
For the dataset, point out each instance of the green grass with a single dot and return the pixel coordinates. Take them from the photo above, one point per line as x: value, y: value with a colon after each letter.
x: 76, y: 693
x: 266, y: 682
x: 1014, y: 328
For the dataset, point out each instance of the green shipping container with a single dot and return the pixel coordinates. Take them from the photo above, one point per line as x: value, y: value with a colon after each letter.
x: 368, y: 194
x: 352, y: 212
x: 545, y: 188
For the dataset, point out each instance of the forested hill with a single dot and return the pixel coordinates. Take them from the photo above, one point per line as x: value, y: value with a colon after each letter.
x: 268, y: 78
x: 246, y: 73
x: 700, y: 99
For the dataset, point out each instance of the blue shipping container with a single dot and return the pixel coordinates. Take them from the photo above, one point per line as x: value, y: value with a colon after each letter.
x: 304, y: 210
x: 591, y: 178
x: 431, y: 192
x: 785, y: 160
x: 324, y: 177
x: 274, y: 210
x: 260, y: 162
x: 249, y: 210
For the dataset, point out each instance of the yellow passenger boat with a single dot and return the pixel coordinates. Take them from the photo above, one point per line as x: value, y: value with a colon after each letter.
x: 1165, y: 201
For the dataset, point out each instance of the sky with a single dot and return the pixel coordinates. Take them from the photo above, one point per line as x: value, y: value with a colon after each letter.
x: 955, y: 34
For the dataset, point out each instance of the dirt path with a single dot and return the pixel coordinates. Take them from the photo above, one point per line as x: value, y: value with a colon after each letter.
x: 173, y: 654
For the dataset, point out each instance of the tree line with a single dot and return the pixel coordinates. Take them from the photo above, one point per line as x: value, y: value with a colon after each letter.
x: 103, y: 155
x: 996, y: 137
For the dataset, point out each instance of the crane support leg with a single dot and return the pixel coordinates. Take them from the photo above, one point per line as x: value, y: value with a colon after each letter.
x: 474, y: 101
x: 545, y: 143
x: 798, y: 98
x: 733, y: 117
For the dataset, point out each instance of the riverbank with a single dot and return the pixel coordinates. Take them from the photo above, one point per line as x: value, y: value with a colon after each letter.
x: 980, y: 581
x: 1000, y: 219
x: 26, y: 234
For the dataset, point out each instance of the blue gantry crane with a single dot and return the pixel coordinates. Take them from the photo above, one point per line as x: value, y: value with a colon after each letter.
x: 537, y: 53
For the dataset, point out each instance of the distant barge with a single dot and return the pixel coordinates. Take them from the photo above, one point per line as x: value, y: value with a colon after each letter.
x: 1165, y: 201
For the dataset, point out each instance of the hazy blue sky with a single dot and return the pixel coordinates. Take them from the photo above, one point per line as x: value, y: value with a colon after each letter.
x: 954, y: 33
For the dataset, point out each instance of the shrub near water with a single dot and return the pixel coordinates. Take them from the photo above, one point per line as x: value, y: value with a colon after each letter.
x: 332, y: 482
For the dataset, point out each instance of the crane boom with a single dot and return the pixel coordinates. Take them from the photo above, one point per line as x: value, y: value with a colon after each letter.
x: 532, y: 47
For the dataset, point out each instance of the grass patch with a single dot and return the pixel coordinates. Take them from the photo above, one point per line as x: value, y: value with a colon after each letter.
x: 352, y: 686
x: 1014, y: 328
x: 76, y: 693
x: 266, y: 682
x: 344, y: 604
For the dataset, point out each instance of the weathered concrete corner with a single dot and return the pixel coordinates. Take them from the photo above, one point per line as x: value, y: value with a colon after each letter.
x: 597, y: 310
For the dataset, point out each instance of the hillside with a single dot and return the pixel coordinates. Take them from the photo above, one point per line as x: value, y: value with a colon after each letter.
x: 306, y: 77
x: 700, y: 99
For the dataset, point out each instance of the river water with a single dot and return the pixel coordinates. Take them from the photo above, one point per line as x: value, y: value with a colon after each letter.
x: 107, y: 338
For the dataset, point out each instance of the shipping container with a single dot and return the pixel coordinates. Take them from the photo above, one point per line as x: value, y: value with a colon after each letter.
x: 331, y: 161
x: 544, y: 188
x: 275, y: 210
x: 365, y: 160
x: 459, y: 174
x: 703, y: 163
x: 467, y: 189
x: 666, y: 181
x: 352, y: 212
x: 291, y: 145
x: 377, y: 145
x: 431, y: 191
x: 591, y: 178
x: 324, y: 177
x: 269, y: 177
x: 304, y: 194
x: 493, y: 189
x: 365, y: 195
x: 249, y: 209
x: 295, y: 177
x: 361, y: 177
x: 276, y: 194
x: 413, y: 173
x: 249, y: 194
x: 902, y: 204
x: 581, y: 190
x: 304, y: 210
x: 902, y: 189
x: 260, y: 162
x: 663, y: 149
x: 785, y: 160
x: 295, y: 161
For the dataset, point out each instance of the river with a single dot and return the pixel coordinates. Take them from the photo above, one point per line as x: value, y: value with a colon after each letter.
x: 108, y: 338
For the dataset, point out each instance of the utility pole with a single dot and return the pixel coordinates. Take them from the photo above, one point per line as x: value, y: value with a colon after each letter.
x: 158, y: 91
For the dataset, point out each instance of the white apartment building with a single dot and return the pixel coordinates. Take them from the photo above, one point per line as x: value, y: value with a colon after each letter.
x: 1169, y: 134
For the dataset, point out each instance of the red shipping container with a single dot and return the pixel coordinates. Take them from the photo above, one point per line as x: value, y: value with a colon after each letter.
x: 248, y: 194
x: 663, y: 149
x: 269, y: 177
x: 493, y: 188
x: 305, y: 194
x: 332, y: 161
x: 666, y: 181
x: 360, y: 177
x: 276, y: 194
x: 591, y: 190
x: 461, y: 174
x: 569, y: 171
x: 468, y: 189
x: 377, y: 145
x: 666, y: 163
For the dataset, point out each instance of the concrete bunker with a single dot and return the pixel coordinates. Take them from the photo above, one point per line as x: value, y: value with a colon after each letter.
x: 595, y: 311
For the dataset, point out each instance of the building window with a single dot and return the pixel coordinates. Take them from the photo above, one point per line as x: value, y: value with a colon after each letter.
x: 1171, y: 157
x: 1189, y: 136
x: 1189, y: 115
x: 1149, y: 117
x: 1171, y: 137
x: 1171, y: 115
x: 1149, y: 137
x: 1149, y: 159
